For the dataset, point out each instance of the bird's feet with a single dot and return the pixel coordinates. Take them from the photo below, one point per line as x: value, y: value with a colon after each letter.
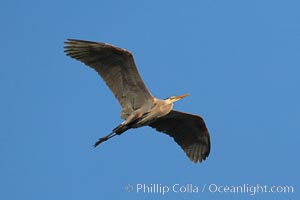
x: 100, y: 141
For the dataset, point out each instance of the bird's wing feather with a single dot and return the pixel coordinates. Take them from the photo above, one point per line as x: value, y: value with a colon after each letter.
x: 189, y: 131
x: 117, y: 68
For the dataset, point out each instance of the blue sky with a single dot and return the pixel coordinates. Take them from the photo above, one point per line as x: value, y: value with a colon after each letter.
x: 239, y: 60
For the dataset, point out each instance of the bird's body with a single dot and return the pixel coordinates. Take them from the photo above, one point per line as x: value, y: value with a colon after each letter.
x: 145, y: 115
x: 139, y: 108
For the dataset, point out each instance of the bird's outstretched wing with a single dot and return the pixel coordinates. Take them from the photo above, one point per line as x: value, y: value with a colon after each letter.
x: 189, y: 131
x: 117, y: 68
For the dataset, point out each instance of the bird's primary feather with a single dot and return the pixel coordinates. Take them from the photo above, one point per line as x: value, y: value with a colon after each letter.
x: 117, y: 68
x: 189, y: 132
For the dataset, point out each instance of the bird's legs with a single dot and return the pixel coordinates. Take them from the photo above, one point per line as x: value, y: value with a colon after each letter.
x: 121, y: 128
x: 116, y: 131
x: 100, y: 140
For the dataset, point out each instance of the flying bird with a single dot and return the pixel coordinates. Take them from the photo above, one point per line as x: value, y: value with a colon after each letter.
x: 117, y: 68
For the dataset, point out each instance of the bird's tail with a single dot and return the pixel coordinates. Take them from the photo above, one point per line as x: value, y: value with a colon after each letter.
x: 116, y: 131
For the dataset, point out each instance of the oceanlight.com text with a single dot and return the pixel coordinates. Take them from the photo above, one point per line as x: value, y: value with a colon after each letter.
x: 249, y: 189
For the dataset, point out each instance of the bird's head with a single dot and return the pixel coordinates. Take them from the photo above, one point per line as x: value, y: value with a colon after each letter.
x: 173, y: 99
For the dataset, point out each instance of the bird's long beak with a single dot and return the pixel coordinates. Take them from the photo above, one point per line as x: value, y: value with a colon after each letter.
x: 180, y: 97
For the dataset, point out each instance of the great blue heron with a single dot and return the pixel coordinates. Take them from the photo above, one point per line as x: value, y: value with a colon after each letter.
x: 117, y: 68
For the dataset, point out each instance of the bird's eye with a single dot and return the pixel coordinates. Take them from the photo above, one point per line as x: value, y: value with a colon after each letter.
x: 171, y: 97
